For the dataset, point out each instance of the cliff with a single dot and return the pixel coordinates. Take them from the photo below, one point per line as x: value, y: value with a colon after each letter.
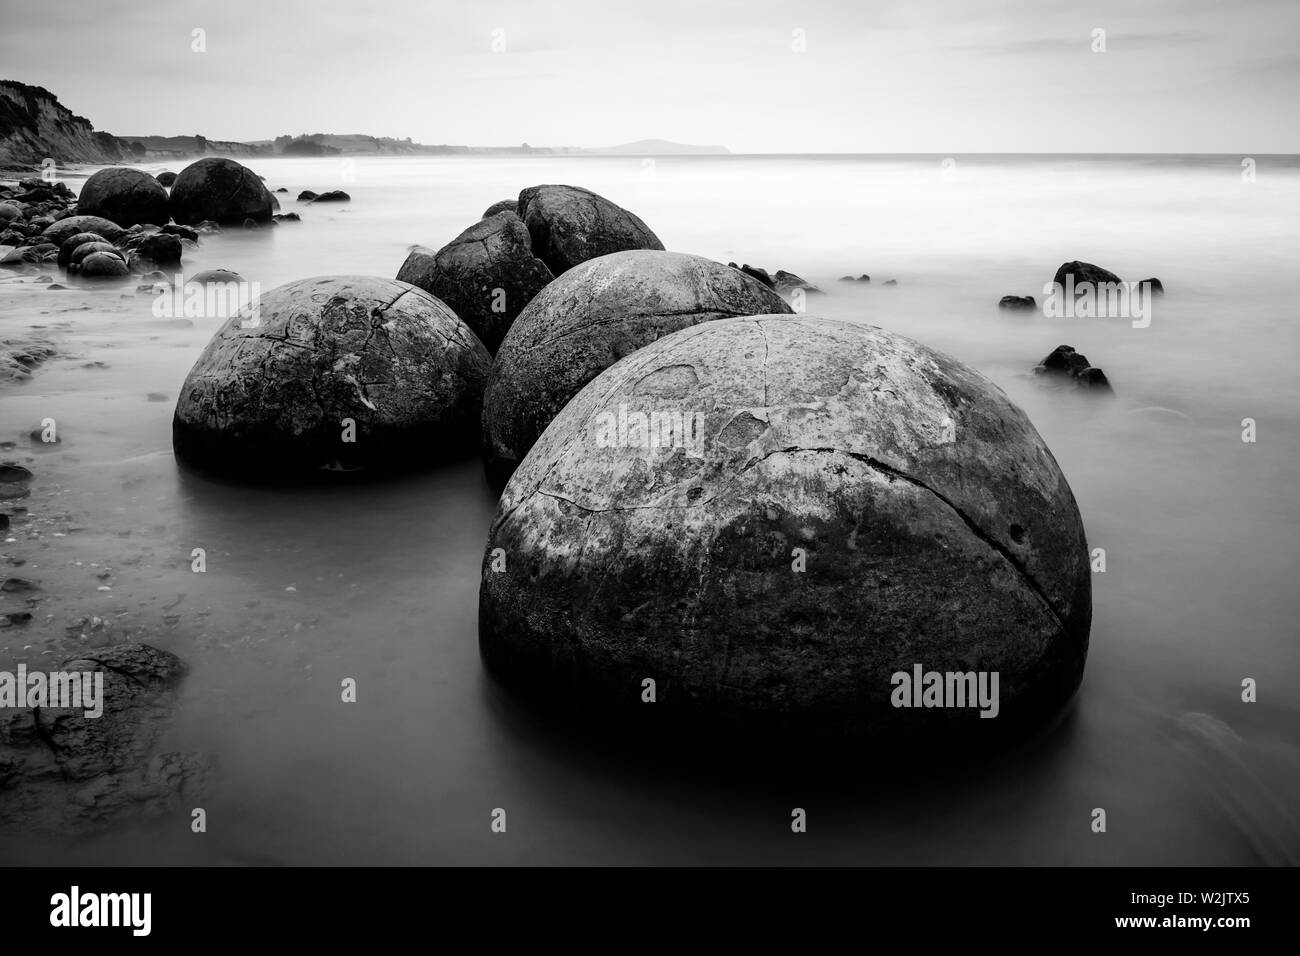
x: 35, y: 126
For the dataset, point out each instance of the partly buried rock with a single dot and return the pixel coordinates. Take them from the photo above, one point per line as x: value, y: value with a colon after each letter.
x: 1080, y: 273
x: 487, y: 275
x: 588, y: 319
x: 570, y: 225
x: 104, y: 265
x: 184, y: 232
x: 60, y: 769
x: 334, y: 373
x: 214, y: 276
x: 756, y: 273
x: 787, y: 283
x: 306, y: 196
x: 160, y: 249
x: 1064, y: 362
x: 838, y: 505
x: 334, y: 195
x: 220, y: 190
x: 63, y: 230
x: 167, y: 178
x: 1155, y: 285
x: 125, y: 196
x: 1017, y: 303
x: 505, y: 205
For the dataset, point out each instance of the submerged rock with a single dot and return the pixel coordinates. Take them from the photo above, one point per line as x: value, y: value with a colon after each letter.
x: 487, y: 274
x: 570, y: 225
x: 1083, y: 272
x: 220, y: 190
x: 1064, y: 362
x: 588, y: 319
x: 125, y: 196
x: 787, y: 282
x: 332, y: 373
x: 334, y: 195
x: 60, y: 769
x: 840, y: 505
x: 1023, y: 303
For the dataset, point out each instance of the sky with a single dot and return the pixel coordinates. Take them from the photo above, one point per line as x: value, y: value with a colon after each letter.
x: 938, y: 76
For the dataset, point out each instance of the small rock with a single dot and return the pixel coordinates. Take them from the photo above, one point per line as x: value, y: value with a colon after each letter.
x: 1017, y: 302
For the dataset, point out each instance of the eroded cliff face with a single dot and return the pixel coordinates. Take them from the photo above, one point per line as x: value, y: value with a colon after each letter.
x: 34, y: 127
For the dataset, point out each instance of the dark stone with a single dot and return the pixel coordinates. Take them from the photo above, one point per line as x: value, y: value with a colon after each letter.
x: 269, y: 401
x: 786, y: 283
x: 1157, y: 287
x: 123, y: 195
x: 84, y: 249
x: 103, y: 265
x: 570, y: 225
x: 220, y: 190
x: 1064, y: 362
x: 167, y: 178
x: 1083, y: 272
x: 282, y: 190
x: 505, y: 205
x: 288, y: 217
x: 63, y: 230
x: 214, y: 276
x: 486, y: 275
x: 1017, y: 302
x: 162, y: 249
x: 184, y: 232
x: 306, y: 196
x: 334, y: 195
x: 759, y: 274
x: 890, y: 282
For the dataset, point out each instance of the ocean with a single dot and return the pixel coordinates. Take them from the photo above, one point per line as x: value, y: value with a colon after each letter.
x: 379, y: 582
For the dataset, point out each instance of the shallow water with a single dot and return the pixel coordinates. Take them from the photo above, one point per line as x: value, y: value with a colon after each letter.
x: 1199, y: 530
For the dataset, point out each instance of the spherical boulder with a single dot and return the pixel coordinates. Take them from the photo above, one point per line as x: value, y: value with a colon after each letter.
x: 9, y: 212
x: 588, y: 319
x: 487, y: 275
x: 87, y: 249
x: 789, y: 524
x: 217, y: 276
x: 167, y: 178
x: 505, y: 205
x: 72, y: 243
x: 332, y: 374
x: 63, y: 230
x: 220, y: 190
x: 104, y: 265
x: 125, y: 196
x: 570, y: 225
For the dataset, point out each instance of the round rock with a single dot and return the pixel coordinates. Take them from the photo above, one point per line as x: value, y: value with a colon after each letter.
x: 63, y: 230
x: 332, y: 374
x: 588, y: 319
x: 104, y: 265
x: 487, y: 275
x: 773, y: 518
x: 71, y: 244
x: 125, y: 196
x: 167, y: 178
x: 220, y: 190
x: 570, y: 225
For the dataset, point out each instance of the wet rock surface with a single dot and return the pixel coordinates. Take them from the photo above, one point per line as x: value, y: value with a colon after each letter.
x: 569, y: 225
x: 588, y: 319
x: 935, y: 525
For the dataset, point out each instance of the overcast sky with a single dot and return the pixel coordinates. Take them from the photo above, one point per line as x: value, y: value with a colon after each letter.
x: 949, y: 76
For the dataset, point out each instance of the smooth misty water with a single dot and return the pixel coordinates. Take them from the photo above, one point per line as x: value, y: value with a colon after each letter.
x: 1199, y: 530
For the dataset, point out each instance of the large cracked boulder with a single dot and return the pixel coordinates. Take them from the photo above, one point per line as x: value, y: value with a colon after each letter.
x: 1081, y: 273
x: 770, y: 518
x: 570, y: 225
x: 487, y: 275
x: 220, y: 190
x: 125, y: 196
x: 588, y: 319
x: 334, y: 374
